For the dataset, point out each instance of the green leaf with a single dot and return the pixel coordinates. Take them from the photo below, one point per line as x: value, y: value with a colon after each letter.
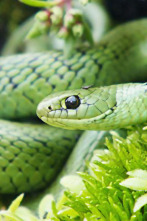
x: 15, y: 204
x: 37, y: 3
x: 135, y: 183
x: 45, y: 205
x: 141, y: 201
x: 138, y: 173
x: 72, y: 182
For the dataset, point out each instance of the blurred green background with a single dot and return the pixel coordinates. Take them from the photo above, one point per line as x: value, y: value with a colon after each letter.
x: 12, y: 13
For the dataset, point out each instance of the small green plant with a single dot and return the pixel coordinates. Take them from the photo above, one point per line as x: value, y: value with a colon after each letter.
x: 60, y: 18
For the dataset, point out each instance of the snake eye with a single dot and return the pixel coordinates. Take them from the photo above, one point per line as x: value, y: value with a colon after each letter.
x: 72, y: 102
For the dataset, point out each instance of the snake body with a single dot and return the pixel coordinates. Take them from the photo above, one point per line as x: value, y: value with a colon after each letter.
x: 29, y: 156
x: 121, y: 56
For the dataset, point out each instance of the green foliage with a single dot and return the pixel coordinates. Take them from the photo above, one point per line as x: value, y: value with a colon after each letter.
x: 11, y: 16
x: 103, y: 197
x: 102, y: 193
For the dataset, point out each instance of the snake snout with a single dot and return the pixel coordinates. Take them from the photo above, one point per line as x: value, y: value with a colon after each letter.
x: 41, y: 111
x: 47, y: 107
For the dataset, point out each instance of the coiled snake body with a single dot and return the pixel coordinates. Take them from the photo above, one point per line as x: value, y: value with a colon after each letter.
x: 31, y: 154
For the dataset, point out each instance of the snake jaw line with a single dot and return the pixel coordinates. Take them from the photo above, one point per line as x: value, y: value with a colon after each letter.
x: 77, y: 124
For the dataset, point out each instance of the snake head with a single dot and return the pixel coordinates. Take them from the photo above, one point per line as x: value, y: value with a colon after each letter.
x: 76, y: 109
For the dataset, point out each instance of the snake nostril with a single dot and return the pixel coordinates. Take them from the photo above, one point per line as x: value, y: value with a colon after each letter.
x: 49, y: 107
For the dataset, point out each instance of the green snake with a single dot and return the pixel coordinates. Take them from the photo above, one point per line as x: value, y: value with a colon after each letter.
x: 31, y: 153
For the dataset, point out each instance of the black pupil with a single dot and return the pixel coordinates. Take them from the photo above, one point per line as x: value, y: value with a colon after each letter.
x: 72, y: 102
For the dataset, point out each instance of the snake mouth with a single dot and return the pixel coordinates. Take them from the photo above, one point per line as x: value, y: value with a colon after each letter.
x: 92, y: 123
x: 55, y: 122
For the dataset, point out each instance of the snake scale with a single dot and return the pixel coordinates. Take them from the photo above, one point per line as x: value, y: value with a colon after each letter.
x: 31, y: 154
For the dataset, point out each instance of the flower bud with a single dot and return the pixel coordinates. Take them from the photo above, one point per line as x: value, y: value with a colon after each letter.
x: 78, y: 30
x: 69, y: 20
x: 73, y: 16
x: 63, y: 33
x: 42, y: 16
x: 57, y: 15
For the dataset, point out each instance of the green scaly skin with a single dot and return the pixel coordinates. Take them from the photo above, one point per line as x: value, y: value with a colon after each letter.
x: 26, y: 79
x: 29, y: 156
